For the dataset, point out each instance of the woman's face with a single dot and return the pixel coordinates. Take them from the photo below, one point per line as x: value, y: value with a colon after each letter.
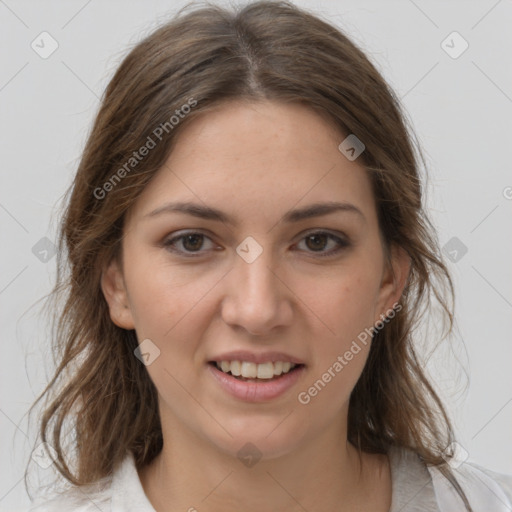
x: 253, y: 273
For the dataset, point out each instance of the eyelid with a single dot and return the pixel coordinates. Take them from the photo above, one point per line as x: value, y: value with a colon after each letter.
x: 179, y: 235
x: 341, y: 239
x: 322, y: 231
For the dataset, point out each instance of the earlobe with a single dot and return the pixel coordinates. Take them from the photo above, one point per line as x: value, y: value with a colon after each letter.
x: 114, y: 290
x: 394, y: 281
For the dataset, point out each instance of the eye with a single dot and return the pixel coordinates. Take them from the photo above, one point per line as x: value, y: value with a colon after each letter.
x: 190, y: 243
x: 317, y: 241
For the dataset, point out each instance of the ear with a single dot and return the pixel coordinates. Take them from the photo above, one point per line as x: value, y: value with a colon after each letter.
x: 114, y: 290
x: 393, y: 282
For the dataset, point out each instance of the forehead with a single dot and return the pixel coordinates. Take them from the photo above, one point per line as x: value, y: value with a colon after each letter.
x: 258, y: 157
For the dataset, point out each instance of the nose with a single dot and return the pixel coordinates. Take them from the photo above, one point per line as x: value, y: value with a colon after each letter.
x: 257, y: 298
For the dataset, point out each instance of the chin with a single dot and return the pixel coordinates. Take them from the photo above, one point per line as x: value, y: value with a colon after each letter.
x: 258, y: 438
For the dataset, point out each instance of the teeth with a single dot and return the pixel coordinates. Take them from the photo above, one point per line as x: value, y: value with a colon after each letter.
x: 265, y: 371
x: 234, y: 366
x: 251, y: 370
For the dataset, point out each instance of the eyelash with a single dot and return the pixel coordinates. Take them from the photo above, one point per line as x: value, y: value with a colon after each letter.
x: 343, y: 244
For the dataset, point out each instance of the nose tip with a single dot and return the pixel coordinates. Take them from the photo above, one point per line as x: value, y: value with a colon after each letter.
x: 261, y: 333
x: 256, y: 314
x: 255, y: 299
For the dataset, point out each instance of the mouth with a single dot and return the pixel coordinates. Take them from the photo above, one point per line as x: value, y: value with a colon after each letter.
x: 247, y: 371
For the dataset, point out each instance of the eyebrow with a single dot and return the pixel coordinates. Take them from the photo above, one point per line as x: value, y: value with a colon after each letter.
x: 209, y: 213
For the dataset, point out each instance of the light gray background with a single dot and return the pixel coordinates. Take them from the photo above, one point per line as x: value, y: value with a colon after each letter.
x: 461, y: 110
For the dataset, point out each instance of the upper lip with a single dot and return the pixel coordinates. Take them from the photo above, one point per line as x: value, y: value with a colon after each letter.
x: 254, y: 357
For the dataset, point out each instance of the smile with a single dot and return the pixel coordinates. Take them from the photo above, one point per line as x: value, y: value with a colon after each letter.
x: 255, y: 382
x: 245, y: 370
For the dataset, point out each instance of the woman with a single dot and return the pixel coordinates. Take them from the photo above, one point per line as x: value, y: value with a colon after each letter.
x: 248, y: 259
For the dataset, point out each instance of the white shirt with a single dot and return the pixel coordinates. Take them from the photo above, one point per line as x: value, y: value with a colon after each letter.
x: 415, y: 488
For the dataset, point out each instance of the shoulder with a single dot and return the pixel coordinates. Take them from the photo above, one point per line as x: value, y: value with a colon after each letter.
x: 419, y: 483
x: 485, y: 489
x: 69, y: 504
x: 120, y: 491
x: 492, y: 480
x: 89, y: 498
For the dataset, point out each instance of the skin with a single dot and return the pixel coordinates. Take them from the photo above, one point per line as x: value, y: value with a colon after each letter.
x: 255, y: 161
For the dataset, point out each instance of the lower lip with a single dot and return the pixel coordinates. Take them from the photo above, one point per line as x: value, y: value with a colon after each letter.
x: 256, y: 391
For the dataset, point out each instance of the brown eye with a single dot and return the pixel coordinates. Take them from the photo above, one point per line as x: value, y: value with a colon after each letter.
x: 191, y: 244
x: 319, y: 241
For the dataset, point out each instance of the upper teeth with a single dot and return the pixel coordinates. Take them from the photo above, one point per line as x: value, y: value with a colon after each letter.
x: 252, y: 370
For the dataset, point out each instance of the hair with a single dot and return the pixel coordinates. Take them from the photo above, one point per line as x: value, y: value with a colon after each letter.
x: 266, y: 50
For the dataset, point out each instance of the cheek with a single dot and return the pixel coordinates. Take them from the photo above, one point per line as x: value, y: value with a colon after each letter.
x: 156, y: 290
x: 168, y: 302
x: 344, y: 305
x: 345, y: 301
x: 345, y: 309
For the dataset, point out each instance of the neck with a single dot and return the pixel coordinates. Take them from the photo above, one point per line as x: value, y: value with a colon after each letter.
x: 325, y: 473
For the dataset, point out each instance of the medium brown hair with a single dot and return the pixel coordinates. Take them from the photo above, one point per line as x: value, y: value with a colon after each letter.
x: 262, y: 51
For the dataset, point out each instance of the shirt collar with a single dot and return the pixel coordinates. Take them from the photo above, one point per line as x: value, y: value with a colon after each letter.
x: 127, y: 491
